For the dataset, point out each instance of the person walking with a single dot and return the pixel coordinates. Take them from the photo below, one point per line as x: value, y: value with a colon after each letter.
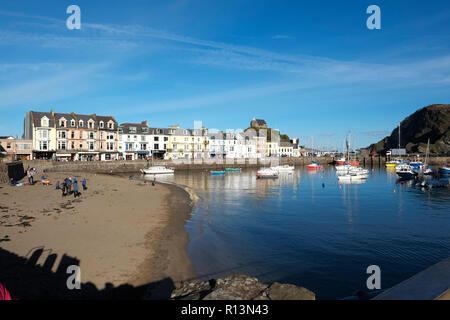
x: 30, y: 179
x: 69, y: 185
x: 75, y: 189
x: 83, y: 183
x: 33, y: 172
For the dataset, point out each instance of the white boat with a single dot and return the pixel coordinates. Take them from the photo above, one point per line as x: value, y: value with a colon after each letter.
x: 352, y: 176
x: 347, y: 170
x: 284, y: 168
x: 267, y: 173
x: 405, y: 171
x: 157, y: 170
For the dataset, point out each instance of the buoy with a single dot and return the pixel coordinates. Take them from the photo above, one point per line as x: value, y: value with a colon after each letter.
x: 395, y: 191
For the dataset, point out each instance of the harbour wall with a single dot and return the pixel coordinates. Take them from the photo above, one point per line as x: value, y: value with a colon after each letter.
x: 128, y: 166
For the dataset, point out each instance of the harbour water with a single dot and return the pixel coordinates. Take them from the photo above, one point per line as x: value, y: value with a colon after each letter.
x: 308, y: 229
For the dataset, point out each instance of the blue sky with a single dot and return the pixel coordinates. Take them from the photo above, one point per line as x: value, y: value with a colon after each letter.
x: 310, y: 68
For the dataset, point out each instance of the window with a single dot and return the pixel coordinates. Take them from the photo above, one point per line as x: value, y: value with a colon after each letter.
x: 144, y: 129
x: 44, y: 122
x: 91, y: 135
x: 156, y: 146
x: 166, y: 138
x: 143, y: 138
x: 62, y: 123
x: 110, y: 136
x: 72, y: 134
x: 110, y: 146
x: 72, y: 123
x: 156, y: 138
x: 102, y: 124
x: 91, y: 124
x: 43, y: 145
x: 61, y: 145
x: 132, y: 129
x: 61, y: 134
x: 8, y: 145
x: 81, y: 145
x: 110, y: 125
x: 81, y: 123
x: 135, y: 138
x: 72, y: 145
x: 43, y: 134
x: 91, y: 145
x: 23, y: 146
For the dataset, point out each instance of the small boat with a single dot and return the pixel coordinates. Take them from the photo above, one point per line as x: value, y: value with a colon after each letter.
x: 267, y: 173
x: 157, y: 170
x: 445, y: 170
x: 343, y: 162
x: 416, y: 164
x: 314, y: 165
x: 284, y: 168
x: 352, y: 176
x: 405, y: 171
x: 217, y: 172
x: 392, y: 164
x: 233, y: 169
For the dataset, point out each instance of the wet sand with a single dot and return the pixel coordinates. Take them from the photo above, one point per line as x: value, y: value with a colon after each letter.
x: 121, y: 232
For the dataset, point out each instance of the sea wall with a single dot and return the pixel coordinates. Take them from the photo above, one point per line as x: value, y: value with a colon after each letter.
x: 134, y: 166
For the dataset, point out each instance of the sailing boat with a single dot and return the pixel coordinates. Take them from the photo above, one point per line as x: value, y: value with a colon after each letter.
x: 426, y: 169
x: 394, y: 163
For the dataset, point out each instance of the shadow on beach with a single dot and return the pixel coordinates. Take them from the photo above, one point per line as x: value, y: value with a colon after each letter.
x: 26, y: 280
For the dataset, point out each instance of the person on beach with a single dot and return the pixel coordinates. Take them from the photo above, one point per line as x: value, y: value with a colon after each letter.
x: 75, y: 188
x: 83, y: 183
x: 33, y: 172
x: 69, y: 185
x: 57, y: 185
x: 4, y: 294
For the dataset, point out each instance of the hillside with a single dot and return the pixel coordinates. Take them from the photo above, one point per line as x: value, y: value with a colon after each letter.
x: 431, y: 122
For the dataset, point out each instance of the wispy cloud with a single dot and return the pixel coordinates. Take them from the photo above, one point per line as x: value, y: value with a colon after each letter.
x: 376, y: 133
x: 282, y: 36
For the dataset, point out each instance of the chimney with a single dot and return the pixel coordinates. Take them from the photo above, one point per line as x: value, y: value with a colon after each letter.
x: 145, y: 123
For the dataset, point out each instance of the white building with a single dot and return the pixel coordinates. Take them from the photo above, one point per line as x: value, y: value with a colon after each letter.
x: 134, y: 141
x: 159, y: 140
x: 240, y: 146
x: 216, y: 145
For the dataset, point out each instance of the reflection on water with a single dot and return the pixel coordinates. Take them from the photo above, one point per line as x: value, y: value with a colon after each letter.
x: 309, y: 229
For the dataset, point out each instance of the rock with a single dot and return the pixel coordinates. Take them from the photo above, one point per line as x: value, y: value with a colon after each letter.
x: 239, y: 287
x: 279, y: 291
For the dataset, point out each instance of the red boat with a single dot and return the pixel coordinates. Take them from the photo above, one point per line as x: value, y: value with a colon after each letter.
x: 341, y: 162
x: 314, y: 165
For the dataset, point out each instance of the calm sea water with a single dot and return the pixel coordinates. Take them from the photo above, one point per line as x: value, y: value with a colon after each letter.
x: 308, y: 229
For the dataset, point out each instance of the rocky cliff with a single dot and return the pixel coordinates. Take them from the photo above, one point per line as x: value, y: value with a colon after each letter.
x: 431, y: 122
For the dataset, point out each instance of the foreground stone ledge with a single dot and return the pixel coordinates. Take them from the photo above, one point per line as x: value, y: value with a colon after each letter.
x: 239, y: 287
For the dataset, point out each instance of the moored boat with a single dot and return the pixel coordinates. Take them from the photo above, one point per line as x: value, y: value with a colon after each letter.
x: 267, y: 173
x: 445, y: 170
x: 284, y: 168
x: 157, y: 170
x: 217, y: 172
x: 405, y: 171
x: 233, y: 169
x: 314, y: 165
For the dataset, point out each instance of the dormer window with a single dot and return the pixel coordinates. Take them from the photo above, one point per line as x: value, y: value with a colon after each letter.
x: 44, y: 122
x: 102, y: 124
x: 110, y: 125
x: 72, y: 123
x: 62, y: 123
x: 81, y: 123
x: 90, y: 124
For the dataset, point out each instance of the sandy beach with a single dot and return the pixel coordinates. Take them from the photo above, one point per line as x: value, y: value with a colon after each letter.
x: 118, y: 231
